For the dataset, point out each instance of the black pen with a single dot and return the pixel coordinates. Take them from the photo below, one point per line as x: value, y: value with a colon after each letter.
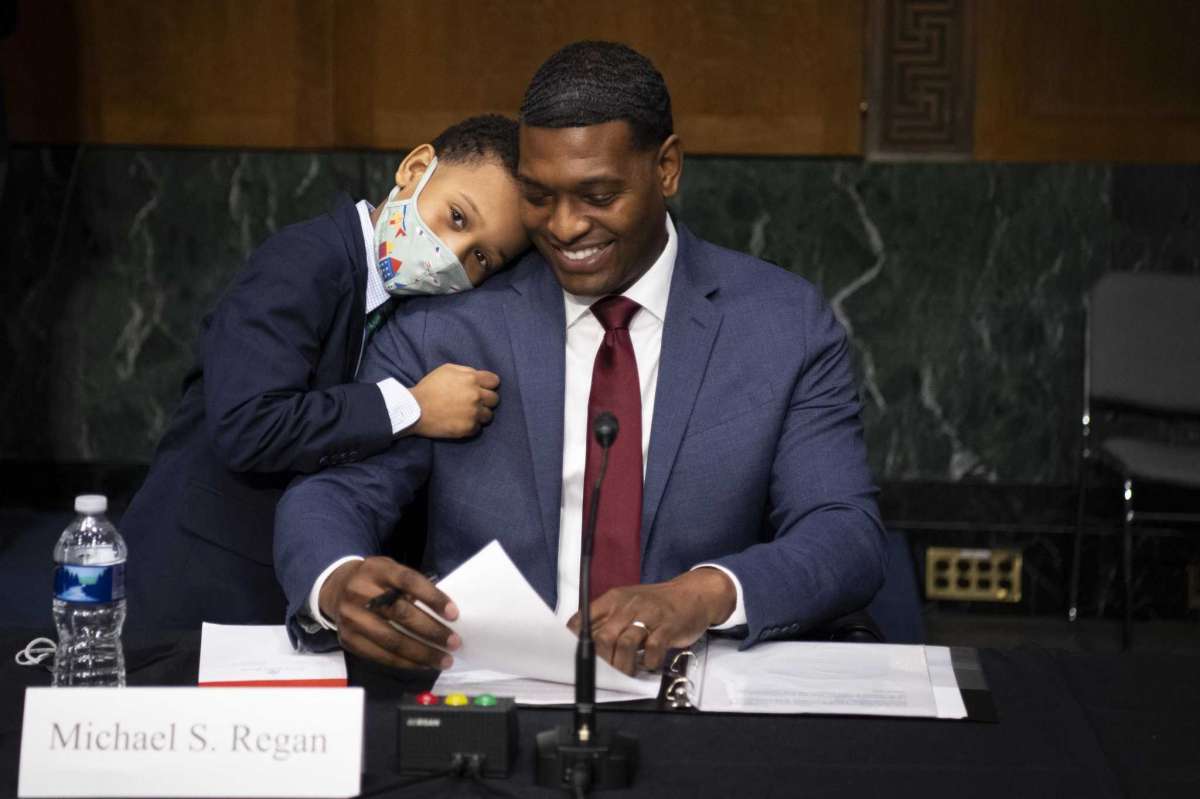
x: 386, y: 599
x: 389, y: 597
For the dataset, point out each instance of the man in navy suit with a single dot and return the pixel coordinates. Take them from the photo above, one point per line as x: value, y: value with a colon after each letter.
x: 273, y: 392
x: 737, y: 403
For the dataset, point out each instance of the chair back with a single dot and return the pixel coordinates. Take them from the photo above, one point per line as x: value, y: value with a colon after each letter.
x: 1144, y: 341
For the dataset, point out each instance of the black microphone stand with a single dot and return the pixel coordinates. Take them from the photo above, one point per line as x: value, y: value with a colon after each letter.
x: 579, y: 757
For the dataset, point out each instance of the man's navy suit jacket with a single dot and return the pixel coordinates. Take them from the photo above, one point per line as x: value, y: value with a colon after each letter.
x: 271, y: 395
x: 756, y: 460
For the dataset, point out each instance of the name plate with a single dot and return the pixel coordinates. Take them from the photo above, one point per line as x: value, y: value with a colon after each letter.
x: 232, y: 742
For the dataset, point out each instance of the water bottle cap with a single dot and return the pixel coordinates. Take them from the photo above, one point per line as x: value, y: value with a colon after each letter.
x: 91, y: 503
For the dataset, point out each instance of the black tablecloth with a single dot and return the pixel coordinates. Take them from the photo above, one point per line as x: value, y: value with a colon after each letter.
x: 1070, y: 726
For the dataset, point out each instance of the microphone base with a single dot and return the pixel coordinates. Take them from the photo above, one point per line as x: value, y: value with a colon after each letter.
x: 611, y: 759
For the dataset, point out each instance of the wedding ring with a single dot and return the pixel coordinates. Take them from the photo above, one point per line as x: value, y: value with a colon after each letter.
x: 641, y: 653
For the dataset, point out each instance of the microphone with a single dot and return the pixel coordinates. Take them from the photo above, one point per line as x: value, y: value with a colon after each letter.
x: 605, y: 430
x: 578, y: 758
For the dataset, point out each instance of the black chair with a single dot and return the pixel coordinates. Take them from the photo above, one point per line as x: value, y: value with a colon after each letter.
x: 1141, y: 354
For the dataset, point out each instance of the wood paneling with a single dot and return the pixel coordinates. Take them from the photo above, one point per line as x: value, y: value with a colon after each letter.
x: 197, y: 72
x: 1056, y: 79
x: 770, y: 77
x: 1088, y: 79
x: 759, y: 78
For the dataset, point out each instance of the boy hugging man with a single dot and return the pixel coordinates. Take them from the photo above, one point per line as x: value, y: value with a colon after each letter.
x: 272, y: 394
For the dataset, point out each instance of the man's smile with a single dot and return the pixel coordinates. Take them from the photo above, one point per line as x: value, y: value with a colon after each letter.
x: 581, y: 258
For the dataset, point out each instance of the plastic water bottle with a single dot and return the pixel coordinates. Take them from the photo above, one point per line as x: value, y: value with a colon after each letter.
x: 89, y: 598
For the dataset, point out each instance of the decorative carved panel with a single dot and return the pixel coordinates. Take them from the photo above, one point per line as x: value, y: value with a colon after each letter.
x: 921, y: 79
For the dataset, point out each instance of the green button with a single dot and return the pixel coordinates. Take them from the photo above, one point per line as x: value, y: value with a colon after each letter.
x: 485, y: 700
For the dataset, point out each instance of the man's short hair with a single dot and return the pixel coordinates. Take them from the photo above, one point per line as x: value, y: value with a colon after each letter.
x: 589, y: 83
x: 480, y: 138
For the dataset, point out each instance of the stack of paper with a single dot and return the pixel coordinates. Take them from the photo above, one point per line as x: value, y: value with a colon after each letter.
x: 262, y: 655
x: 820, y: 677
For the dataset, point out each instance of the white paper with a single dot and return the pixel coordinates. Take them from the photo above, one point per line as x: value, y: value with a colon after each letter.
x: 945, y: 685
x: 506, y: 628
x: 526, y: 691
x: 163, y: 742
x: 815, y: 677
x: 248, y: 654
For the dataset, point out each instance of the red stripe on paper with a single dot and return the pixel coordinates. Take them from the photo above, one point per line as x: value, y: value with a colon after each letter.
x: 331, y: 682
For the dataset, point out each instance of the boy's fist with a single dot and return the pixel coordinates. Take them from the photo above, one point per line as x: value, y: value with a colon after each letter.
x: 455, y: 401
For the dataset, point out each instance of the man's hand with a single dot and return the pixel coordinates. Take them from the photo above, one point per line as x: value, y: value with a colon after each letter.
x: 674, y: 614
x: 344, y: 597
x: 455, y: 401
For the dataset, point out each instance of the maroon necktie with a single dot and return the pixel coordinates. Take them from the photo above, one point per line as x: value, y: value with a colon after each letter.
x: 617, y: 550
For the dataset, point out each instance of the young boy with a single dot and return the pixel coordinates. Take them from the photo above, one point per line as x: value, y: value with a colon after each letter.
x: 272, y: 393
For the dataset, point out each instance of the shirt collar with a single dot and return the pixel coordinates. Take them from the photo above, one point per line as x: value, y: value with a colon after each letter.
x: 650, y: 291
x: 376, y: 294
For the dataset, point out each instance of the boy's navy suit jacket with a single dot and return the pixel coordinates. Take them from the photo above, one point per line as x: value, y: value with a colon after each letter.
x: 756, y: 459
x: 271, y: 395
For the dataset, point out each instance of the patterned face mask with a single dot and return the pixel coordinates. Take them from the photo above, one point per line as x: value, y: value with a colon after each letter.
x: 410, y: 258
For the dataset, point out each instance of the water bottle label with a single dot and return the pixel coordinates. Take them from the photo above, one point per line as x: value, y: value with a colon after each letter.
x: 90, y: 584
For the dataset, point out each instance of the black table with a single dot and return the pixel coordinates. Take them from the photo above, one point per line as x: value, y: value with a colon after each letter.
x: 1070, y: 726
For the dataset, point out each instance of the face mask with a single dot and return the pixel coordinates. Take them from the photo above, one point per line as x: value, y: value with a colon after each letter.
x: 411, y: 259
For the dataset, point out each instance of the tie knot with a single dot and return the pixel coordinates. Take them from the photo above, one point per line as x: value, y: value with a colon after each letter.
x: 615, y: 313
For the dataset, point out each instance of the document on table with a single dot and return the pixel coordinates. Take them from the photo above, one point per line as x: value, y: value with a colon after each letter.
x: 526, y: 690
x: 262, y: 655
x: 831, y: 678
x: 513, y: 645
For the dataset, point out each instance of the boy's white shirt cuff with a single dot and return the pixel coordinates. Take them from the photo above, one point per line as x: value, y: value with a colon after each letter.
x: 314, y: 596
x: 402, y: 407
x: 738, y: 617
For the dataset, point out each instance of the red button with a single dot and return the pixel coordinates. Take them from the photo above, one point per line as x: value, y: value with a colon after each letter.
x: 427, y: 698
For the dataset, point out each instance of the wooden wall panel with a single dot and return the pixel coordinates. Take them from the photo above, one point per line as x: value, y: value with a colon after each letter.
x: 1088, y: 79
x: 765, y: 77
x: 775, y: 76
x: 186, y: 72
x: 1056, y: 79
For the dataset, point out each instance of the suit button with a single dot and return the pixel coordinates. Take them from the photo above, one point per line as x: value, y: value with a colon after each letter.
x: 323, y: 460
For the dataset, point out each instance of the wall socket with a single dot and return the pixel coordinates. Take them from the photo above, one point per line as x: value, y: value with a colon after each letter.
x: 973, y: 575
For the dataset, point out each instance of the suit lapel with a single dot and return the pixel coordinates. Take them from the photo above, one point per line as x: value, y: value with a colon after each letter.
x: 537, y: 328
x: 688, y: 335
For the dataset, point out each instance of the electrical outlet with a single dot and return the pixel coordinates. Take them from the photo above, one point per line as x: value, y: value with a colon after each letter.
x: 974, y: 575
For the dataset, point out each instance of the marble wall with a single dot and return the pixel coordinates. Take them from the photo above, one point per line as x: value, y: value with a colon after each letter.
x: 961, y: 284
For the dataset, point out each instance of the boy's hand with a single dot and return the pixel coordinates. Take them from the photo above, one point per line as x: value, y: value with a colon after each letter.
x: 455, y: 401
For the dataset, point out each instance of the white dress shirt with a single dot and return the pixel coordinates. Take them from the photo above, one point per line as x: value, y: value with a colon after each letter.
x: 402, y: 407
x: 583, y: 338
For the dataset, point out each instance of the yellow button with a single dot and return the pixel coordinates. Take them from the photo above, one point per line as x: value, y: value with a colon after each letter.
x: 456, y: 700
